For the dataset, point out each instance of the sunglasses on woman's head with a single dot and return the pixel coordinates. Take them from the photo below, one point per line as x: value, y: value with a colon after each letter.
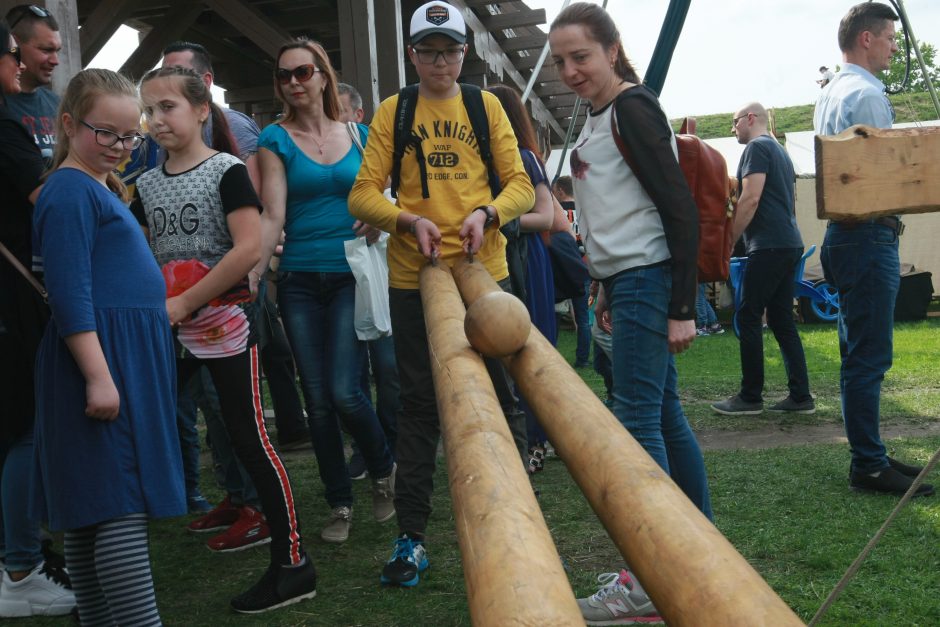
x: 302, y: 73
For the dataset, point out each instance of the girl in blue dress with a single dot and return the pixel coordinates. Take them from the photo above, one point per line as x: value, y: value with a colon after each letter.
x: 106, y: 448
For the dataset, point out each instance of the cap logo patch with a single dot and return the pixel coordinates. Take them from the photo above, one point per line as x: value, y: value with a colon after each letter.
x: 437, y: 14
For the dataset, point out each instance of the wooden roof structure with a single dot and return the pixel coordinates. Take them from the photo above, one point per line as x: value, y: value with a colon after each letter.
x: 365, y: 40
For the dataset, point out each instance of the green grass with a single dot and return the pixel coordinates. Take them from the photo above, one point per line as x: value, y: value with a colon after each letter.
x: 787, y: 510
x: 908, y: 108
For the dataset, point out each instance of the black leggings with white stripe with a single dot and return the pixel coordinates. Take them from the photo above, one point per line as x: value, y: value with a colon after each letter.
x: 109, y: 565
x: 236, y: 380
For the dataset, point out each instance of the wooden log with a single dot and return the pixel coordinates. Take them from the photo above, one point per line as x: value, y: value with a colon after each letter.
x: 692, y: 573
x: 866, y: 172
x: 513, y: 573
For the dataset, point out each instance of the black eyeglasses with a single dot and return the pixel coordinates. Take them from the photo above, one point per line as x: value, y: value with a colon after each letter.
x: 743, y: 115
x: 429, y: 56
x: 302, y: 73
x: 37, y: 11
x: 15, y: 51
x: 108, y: 138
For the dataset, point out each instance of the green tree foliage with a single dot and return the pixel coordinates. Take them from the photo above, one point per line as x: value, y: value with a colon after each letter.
x: 895, y: 74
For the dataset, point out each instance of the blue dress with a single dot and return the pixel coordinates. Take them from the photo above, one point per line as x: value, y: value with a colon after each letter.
x: 102, y: 276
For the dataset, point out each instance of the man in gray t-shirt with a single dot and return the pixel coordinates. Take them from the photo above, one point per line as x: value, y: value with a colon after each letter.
x: 766, y: 218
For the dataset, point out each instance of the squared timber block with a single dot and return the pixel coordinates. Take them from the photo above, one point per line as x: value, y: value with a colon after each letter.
x: 866, y: 172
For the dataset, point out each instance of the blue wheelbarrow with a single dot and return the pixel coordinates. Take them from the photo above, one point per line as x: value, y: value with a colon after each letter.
x: 819, y: 301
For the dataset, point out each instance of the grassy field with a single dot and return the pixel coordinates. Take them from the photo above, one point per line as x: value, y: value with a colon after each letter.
x: 907, y: 107
x: 787, y: 510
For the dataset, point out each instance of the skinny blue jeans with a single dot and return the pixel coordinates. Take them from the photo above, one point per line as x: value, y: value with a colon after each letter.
x: 19, y: 535
x: 318, y: 313
x: 645, y: 381
x: 862, y: 263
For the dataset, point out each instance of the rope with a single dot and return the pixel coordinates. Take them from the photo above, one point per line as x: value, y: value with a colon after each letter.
x: 850, y: 573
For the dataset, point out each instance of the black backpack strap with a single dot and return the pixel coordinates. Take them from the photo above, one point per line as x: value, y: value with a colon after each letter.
x: 473, y: 102
x: 404, y: 136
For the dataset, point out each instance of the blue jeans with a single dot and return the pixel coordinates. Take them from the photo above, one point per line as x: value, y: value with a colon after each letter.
x: 704, y: 313
x: 19, y: 535
x: 862, y: 264
x: 318, y: 313
x: 387, y: 387
x: 645, y: 382
x: 579, y: 305
x: 768, y: 283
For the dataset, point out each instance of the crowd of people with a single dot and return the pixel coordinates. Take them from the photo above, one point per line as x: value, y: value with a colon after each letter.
x: 219, y: 254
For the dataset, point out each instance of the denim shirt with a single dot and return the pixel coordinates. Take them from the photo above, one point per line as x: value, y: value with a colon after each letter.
x: 855, y: 96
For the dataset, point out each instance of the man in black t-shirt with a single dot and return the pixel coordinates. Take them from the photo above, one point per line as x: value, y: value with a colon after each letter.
x: 766, y: 217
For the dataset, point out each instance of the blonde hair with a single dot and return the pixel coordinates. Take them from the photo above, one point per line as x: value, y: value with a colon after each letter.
x: 321, y: 60
x: 79, y: 98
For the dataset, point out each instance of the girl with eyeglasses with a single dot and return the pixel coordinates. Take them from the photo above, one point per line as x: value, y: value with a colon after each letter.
x: 30, y: 584
x: 202, y: 216
x: 106, y: 444
x: 308, y: 166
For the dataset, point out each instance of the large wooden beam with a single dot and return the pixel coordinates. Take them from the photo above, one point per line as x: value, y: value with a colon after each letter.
x: 865, y: 172
x: 101, y: 24
x: 390, y: 39
x: 692, y: 573
x: 70, y: 59
x: 358, y: 50
x: 526, y: 42
x: 180, y: 14
x: 517, y: 19
x: 512, y: 571
x: 251, y: 23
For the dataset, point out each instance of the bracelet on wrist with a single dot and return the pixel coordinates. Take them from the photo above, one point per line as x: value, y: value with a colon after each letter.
x: 412, y: 228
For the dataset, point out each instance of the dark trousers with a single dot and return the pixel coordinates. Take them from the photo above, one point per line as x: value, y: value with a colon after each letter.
x: 419, y: 429
x: 236, y: 381
x: 769, y: 284
x: 278, y: 364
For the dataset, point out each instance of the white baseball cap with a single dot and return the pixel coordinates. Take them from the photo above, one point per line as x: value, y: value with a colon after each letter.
x: 438, y: 18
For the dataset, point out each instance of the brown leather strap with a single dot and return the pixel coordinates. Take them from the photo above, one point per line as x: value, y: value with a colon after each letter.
x: 26, y: 273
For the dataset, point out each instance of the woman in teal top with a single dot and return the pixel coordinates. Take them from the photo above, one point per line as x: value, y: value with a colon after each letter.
x: 308, y: 166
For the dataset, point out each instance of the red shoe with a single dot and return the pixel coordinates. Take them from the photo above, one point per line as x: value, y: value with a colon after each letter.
x: 221, y: 516
x: 249, y: 530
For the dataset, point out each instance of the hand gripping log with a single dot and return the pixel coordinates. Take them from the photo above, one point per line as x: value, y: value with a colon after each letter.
x: 512, y: 570
x: 692, y: 573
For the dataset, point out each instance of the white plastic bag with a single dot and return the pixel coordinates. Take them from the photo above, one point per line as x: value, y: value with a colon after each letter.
x: 370, y: 268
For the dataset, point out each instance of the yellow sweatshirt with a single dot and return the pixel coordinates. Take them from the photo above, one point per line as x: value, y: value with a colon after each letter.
x: 457, y: 183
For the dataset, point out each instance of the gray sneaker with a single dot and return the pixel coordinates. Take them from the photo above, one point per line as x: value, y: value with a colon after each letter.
x: 794, y: 407
x: 383, y: 497
x: 620, y: 601
x: 736, y: 406
x: 337, y: 529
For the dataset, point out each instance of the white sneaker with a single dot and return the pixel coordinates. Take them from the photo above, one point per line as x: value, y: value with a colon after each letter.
x: 620, y: 601
x: 43, y: 592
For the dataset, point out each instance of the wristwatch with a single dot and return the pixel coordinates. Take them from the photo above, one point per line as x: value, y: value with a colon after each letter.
x: 490, y: 218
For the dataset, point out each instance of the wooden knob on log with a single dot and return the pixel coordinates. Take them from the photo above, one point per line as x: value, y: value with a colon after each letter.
x: 497, y: 324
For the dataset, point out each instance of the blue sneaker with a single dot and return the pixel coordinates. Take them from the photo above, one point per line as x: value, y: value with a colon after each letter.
x: 408, y: 560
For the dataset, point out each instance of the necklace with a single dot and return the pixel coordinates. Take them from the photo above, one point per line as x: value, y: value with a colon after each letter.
x: 318, y: 144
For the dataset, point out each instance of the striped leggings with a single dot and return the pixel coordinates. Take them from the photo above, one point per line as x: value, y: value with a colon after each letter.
x: 109, y: 565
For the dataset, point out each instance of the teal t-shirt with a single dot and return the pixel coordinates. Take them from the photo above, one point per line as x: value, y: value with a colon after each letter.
x: 318, y: 220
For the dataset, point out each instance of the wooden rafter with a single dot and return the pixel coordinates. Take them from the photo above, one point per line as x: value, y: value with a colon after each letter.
x: 101, y: 24
x: 252, y: 23
x: 177, y: 19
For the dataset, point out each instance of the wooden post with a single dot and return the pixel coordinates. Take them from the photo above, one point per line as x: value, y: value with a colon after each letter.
x: 358, y: 53
x: 692, y: 573
x: 512, y: 570
x: 865, y: 172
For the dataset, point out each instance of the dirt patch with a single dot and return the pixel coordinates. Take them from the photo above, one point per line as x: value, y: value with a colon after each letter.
x: 773, y: 437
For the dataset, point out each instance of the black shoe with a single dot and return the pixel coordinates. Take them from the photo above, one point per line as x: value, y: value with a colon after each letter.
x: 904, y: 469
x: 737, y: 406
x: 409, y: 559
x: 888, y: 481
x: 293, y: 441
x: 279, y: 586
x: 357, y: 466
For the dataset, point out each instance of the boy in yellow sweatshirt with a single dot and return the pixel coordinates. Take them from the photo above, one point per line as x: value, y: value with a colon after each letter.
x: 458, y: 215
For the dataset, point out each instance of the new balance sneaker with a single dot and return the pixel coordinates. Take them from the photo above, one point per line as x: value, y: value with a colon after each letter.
x: 251, y: 529
x: 337, y: 528
x: 620, y: 601
x: 736, y: 406
x: 383, y: 496
x: 791, y: 406
x: 45, y: 591
x: 219, y: 517
x: 278, y: 587
x: 409, y: 559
